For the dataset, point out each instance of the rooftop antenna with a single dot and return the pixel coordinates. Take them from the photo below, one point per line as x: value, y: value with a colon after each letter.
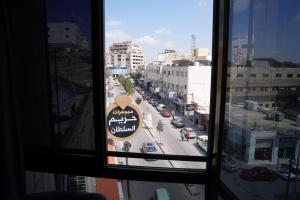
x: 193, y: 44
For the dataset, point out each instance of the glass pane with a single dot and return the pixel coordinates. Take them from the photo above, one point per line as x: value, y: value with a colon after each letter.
x: 162, y: 62
x: 70, y: 62
x: 261, y: 133
x: 110, y: 188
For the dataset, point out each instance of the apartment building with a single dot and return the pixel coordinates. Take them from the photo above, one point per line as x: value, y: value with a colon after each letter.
x: 127, y: 54
x: 66, y: 33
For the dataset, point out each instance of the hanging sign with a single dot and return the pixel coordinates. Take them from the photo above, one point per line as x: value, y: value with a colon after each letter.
x: 124, y: 118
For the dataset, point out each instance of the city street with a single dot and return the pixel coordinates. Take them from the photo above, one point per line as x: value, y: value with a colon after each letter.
x: 170, y: 139
x: 171, y: 144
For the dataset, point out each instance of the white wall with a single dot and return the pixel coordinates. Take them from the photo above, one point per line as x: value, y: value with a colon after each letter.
x: 198, y: 84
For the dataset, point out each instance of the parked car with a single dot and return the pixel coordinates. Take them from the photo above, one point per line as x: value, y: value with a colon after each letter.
x: 166, y: 113
x: 155, y: 104
x: 162, y: 194
x: 146, y: 97
x: 151, y: 100
x: 202, y: 141
x: 160, y: 107
x: 258, y: 174
x: 190, y: 131
x: 284, y: 172
x: 149, y: 147
x: 229, y: 164
x: 178, y: 123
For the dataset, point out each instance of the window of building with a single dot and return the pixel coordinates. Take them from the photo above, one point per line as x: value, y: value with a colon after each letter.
x: 239, y: 75
x: 252, y: 75
x: 289, y: 75
x: 182, y: 74
x: 67, y: 28
x: 278, y: 75
x: 67, y: 36
x: 177, y: 73
x: 265, y: 75
x: 173, y: 73
x: 298, y: 75
x: 186, y: 74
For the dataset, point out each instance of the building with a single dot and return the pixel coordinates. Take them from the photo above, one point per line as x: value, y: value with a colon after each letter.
x: 169, y: 56
x: 182, y: 84
x: 66, y: 33
x: 127, y: 54
x: 153, y: 74
x: 201, y: 53
x: 270, y: 87
x: 256, y: 138
x: 115, y: 71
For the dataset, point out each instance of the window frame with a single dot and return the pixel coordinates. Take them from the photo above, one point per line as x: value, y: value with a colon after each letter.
x: 96, y: 164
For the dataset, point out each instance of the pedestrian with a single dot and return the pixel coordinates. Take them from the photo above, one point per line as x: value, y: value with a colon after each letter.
x: 182, y: 135
x: 187, y: 135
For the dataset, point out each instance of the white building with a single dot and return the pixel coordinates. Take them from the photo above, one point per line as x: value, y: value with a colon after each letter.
x: 66, y: 33
x: 184, y: 83
x: 168, y: 56
x: 127, y: 54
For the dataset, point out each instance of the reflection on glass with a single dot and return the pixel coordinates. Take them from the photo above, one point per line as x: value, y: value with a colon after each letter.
x: 69, y: 47
x: 262, y: 121
x: 164, y: 72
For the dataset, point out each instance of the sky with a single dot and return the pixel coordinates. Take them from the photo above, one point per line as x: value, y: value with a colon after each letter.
x: 159, y: 24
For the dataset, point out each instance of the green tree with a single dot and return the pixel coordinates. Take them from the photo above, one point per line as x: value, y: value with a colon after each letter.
x: 126, y: 83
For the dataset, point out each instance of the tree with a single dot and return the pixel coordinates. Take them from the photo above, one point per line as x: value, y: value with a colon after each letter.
x: 126, y: 83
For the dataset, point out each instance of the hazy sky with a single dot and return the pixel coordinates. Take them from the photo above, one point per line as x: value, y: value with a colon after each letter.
x: 159, y: 24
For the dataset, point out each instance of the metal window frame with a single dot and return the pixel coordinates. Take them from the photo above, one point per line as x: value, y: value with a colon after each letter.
x: 95, y: 161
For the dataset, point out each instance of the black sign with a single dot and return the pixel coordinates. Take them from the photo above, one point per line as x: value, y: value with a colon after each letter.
x: 123, y: 123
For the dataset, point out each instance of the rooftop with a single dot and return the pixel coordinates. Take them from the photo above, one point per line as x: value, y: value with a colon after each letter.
x: 255, y: 120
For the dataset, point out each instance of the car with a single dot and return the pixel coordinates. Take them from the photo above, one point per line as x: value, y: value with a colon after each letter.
x: 178, y: 123
x: 155, y: 104
x: 149, y: 147
x: 166, y: 113
x: 258, y: 174
x: 284, y: 174
x: 146, y: 97
x: 162, y: 194
x: 151, y: 100
x: 190, y: 131
x: 202, y: 141
x: 228, y: 163
x: 160, y: 107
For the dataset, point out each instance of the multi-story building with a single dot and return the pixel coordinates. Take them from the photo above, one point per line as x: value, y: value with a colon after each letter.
x: 182, y: 84
x: 127, y: 54
x: 268, y: 86
x: 66, y: 33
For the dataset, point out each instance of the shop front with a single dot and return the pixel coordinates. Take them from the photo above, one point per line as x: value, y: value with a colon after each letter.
x: 178, y: 105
